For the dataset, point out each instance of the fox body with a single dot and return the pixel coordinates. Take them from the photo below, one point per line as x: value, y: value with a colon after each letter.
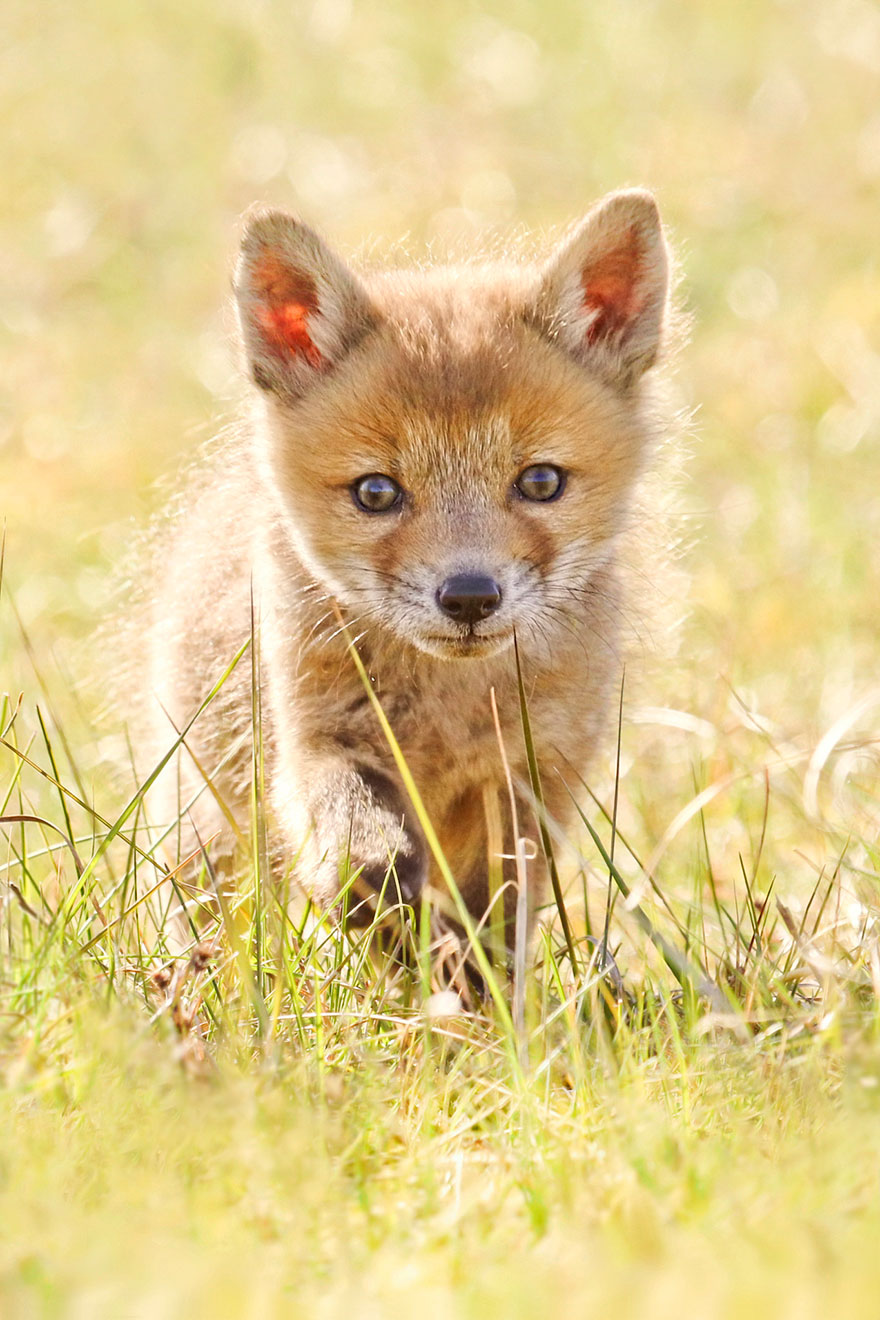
x: 439, y: 461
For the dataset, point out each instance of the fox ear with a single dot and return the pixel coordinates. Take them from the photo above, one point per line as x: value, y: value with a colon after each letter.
x: 300, y: 308
x: 604, y: 291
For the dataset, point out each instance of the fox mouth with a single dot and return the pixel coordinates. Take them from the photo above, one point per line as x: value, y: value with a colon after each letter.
x: 466, y: 645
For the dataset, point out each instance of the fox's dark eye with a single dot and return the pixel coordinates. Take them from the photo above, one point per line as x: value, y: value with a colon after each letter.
x: 541, y: 482
x: 376, y: 493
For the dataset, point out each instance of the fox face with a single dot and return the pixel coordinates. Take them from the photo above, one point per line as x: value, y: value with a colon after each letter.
x: 452, y: 451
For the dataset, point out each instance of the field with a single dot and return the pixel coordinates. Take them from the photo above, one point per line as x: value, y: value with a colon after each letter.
x: 289, y: 1124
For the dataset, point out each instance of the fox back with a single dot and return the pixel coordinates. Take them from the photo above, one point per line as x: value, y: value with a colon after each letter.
x: 439, y: 462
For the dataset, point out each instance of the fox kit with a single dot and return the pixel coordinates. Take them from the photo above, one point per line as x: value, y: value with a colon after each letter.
x: 439, y: 461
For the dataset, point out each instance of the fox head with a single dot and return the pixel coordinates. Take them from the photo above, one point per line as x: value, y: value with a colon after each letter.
x: 453, y: 448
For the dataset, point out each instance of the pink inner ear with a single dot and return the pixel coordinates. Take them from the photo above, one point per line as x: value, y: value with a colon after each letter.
x: 611, y: 289
x: 286, y: 297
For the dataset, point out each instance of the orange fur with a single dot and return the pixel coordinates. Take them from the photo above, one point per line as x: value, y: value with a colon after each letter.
x: 451, y: 383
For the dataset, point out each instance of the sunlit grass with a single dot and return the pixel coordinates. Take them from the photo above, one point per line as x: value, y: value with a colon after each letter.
x: 290, y: 1113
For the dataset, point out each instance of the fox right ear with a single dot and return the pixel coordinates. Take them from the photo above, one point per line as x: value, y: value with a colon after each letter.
x: 300, y: 308
x: 604, y: 291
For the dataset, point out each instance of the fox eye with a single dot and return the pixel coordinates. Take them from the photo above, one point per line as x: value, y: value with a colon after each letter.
x: 376, y: 493
x: 541, y: 482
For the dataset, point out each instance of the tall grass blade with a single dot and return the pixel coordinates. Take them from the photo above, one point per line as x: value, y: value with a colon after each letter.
x: 541, y: 813
x: 415, y: 797
x: 522, y: 894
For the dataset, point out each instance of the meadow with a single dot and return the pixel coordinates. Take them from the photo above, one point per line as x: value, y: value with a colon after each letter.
x: 287, y: 1121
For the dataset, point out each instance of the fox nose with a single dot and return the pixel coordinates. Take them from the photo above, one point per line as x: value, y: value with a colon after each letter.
x: 469, y: 597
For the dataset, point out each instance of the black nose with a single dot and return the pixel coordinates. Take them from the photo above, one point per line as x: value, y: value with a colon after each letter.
x: 469, y: 597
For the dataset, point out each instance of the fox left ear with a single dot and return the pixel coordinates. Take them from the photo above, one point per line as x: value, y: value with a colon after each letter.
x: 300, y: 308
x: 603, y: 293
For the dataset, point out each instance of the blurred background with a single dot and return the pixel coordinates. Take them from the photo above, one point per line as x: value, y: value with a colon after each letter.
x: 134, y: 135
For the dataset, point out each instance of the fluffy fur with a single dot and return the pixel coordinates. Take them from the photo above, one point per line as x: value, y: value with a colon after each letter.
x: 451, y: 381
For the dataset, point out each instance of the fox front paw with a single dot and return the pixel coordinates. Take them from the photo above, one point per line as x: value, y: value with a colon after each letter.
x: 387, y: 882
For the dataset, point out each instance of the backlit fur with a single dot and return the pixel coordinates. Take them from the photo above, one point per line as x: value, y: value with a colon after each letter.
x: 451, y: 381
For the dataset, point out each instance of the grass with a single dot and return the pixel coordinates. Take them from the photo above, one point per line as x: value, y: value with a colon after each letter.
x: 290, y: 1121
x: 285, y: 1115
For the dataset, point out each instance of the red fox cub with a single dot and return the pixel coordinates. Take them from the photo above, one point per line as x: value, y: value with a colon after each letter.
x: 441, y: 459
